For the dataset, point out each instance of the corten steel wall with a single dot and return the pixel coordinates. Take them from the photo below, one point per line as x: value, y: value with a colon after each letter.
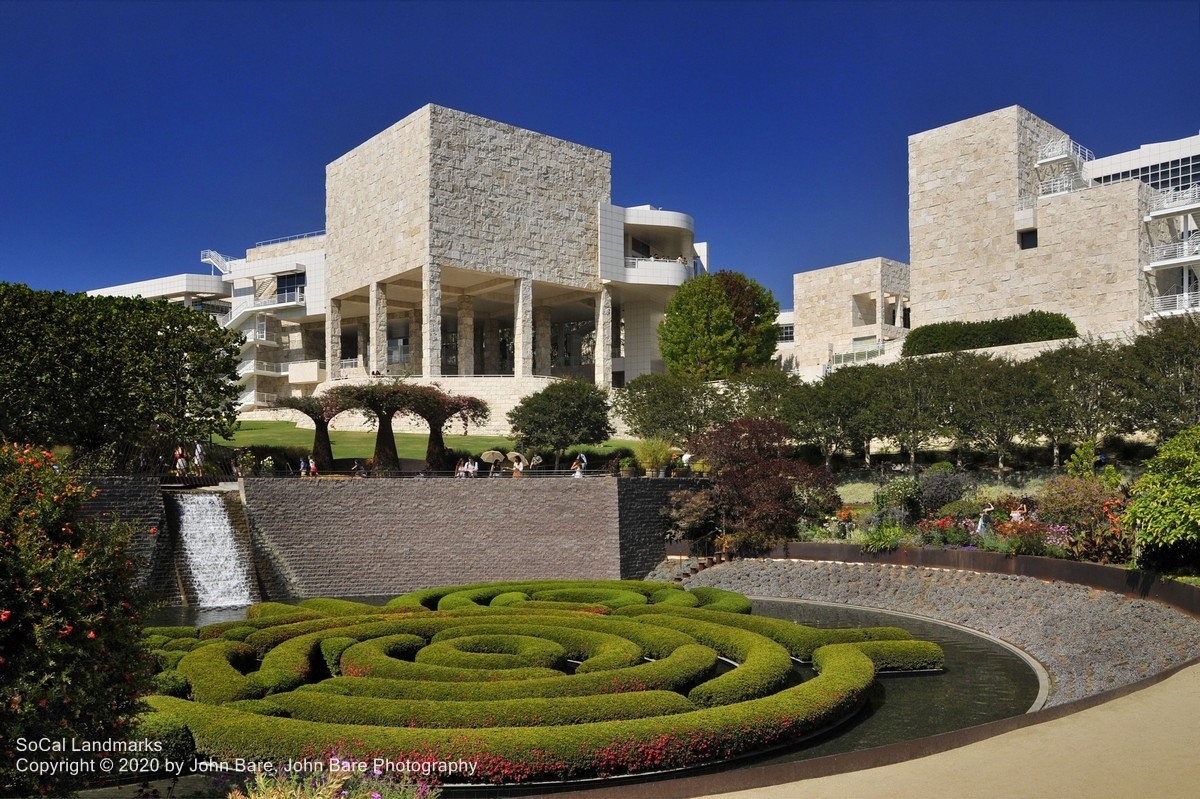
x: 379, y: 536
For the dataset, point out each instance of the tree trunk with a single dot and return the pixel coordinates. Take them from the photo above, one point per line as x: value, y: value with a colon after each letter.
x: 322, y: 451
x: 1057, y: 460
x: 386, y: 458
x: 867, y: 453
x: 435, y: 450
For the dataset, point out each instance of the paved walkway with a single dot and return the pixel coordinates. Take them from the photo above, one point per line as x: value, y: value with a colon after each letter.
x: 1144, y: 744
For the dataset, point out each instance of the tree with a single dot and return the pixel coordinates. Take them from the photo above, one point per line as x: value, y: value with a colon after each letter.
x: 95, y: 371
x: 1086, y: 399
x: 1161, y: 376
x: 314, y: 408
x: 760, y: 490
x: 564, y: 413
x: 668, y: 406
x: 916, y: 392
x: 383, y: 399
x: 1164, y: 510
x: 755, y: 311
x: 71, y: 661
x: 718, y: 325
x: 764, y: 392
x: 989, y: 401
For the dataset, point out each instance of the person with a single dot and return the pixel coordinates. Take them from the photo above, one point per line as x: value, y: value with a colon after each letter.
x: 577, y: 469
x: 303, y: 467
x: 472, y: 467
x: 1019, y: 512
x: 983, y: 515
x: 180, y: 462
x: 460, y: 468
x: 312, y: 467
x: 518, y: 469
x: 198, y: 459
x: 356, y: 469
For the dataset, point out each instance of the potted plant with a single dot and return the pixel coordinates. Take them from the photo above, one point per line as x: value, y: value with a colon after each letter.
x: 653, y: 454
x: 628, y: 467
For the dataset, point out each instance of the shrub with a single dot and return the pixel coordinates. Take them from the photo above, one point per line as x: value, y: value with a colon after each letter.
x: 1164, y: 510
x: 900, y: 498
x: 72, y: 664
x: 940, y: 488
x: 956, y: 336
x: 1091, y: 513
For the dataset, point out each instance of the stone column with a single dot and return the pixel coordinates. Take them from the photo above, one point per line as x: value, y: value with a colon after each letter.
x: 466, y: 336
x: 491, y: 346
x: 431, y: 319
x: 378, y: 325
x: 333, y: 340
x: 414, y: 343
x: 541, y: 340
x: 561, y: 331
x: 364, y: 343
x: 523, y: 328
x: 603, y: 355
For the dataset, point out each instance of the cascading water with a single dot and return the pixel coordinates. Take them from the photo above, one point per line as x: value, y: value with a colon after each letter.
x: 216, y: 564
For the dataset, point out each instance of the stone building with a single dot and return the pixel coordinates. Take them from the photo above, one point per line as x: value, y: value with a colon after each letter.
x: 463, y: 251
x: 1008, y: 214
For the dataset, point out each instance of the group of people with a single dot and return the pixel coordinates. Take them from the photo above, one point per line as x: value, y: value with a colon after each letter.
x: 308, y: 467
x: 197, y: 461
x: 466, y: 467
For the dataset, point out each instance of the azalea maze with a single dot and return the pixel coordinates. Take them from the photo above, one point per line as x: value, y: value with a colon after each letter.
x: 529, y: 681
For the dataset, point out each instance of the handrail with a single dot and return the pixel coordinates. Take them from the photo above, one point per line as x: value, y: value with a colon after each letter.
x: 1065, y: 147
x: 1061, y: 184
x: 1177, y: 249
x: 1180, y: 301
x: 1173, y: 197
x: 633, y: 263
x: 290, y: 238
x: 218, y: 261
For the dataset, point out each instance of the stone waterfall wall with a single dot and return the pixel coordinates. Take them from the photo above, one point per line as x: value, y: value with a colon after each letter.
x: 378, y: 536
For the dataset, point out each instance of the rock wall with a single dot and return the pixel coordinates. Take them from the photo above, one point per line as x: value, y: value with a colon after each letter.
x: 138, y: 501
x: 379, y: 536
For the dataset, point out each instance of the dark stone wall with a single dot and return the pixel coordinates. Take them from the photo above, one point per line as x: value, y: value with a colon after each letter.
x: 388, y: 536
x: 138, y: 501
x: 643, y: 526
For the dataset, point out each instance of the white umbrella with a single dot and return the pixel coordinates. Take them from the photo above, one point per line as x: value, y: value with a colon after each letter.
x: 516, y: 457
x: 492, y: 456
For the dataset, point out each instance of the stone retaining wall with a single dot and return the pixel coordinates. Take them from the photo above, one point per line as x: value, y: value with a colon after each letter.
x: 138, y: 501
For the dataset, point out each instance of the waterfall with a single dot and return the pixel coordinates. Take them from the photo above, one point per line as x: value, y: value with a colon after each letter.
x: 215, y: 563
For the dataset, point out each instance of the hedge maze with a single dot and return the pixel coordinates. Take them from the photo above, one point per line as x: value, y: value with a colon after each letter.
x: 533, y: 681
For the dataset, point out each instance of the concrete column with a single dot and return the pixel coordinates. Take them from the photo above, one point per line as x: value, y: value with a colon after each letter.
x: 541, y: 340
x: 466, y: 336
x: 603, y: 354
x: 523, y: 328
x: 378, y: 325
x: 333, y: 340
x: 414, y: 343
x: 491, y: 346
x: 431, y: 318
x: 478, y: 346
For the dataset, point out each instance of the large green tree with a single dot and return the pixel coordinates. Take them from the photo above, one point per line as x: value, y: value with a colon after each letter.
x: 95, y: 371
x: 316, y: 409
x: 717, y: 325
x: 1086, y: 396
x: 564, y: 413
x: 1161, y: 377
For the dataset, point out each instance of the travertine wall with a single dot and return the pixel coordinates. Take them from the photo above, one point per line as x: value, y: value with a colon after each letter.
x: 966, y: 261
x: 377, y: 206
x: 509, y: 201
x: 138, y: 501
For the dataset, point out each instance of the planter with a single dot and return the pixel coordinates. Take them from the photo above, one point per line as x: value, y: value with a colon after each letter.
x: 627, y: 472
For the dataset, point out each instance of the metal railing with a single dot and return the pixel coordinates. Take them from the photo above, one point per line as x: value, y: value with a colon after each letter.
x: 1173, y: 197
x: 1061, y: 184
x: 1180, y: 301
x: 290, y: 238
x: 259, y: 335
x: 216, y: 260
x: 1026, y: 202
x: 1065, y: 147
x: 246, y: 367
x: 859, y: 351
x: 634, y: 263
x: 1186, y: 248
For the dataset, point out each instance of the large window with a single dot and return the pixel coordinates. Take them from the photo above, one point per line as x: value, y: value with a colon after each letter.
x: 290, y: 288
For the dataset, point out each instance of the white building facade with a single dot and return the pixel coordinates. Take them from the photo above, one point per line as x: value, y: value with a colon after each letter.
x: 458, y: 250
x: 1008, y: 214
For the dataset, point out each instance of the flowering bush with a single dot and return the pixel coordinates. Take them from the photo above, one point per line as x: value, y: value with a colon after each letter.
x: 70, y: 661
x: 346, y: 783
x: 947, y: 530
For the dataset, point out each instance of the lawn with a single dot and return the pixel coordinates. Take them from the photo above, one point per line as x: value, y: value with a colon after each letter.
x: 352, y: 444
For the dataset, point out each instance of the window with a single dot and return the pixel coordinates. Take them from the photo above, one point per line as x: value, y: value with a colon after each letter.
x: 787, y: 332
x: 290, y: 288
x: 1027, y: 239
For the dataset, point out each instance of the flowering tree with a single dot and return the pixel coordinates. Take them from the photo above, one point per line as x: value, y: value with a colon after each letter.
x: 71, y: 665
x: 314, y: 408
x: 383, y: 399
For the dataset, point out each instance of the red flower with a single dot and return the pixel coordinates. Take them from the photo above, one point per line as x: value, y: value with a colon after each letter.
x: 4, y: 614
x: 153, y: 531
x: 92, y: 634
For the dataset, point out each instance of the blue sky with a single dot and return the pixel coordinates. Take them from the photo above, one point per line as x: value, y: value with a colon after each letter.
x: 133, y: 135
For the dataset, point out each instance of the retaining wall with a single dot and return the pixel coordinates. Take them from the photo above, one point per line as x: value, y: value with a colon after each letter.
x: 387, y: 536
x: 138, y: 501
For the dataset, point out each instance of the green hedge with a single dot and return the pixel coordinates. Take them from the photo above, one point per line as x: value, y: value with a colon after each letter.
x: 957, y: 336
x: 472, y: 682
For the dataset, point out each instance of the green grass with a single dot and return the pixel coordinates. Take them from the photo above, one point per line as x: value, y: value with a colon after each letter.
x: 353, y: 444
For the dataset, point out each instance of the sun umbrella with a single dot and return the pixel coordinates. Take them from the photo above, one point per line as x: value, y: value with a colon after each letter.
x: 492, y: 456
x: 516, y: 457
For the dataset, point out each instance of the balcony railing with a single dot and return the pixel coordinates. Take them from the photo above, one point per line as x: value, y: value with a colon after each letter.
x: 1175, y: 197
x: 261, y: 337
x: 1061, y: 184
x: 290, y: 238
x: 1064, y: 147
x: 281, y: 297
x: 1182, y: 301
x: 860, y: 351
x: 634, y: 263
x: 258, y: 398
x: 1188, y: 248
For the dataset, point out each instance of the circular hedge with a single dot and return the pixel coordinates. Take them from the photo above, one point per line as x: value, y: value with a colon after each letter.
x: 529, y: 681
